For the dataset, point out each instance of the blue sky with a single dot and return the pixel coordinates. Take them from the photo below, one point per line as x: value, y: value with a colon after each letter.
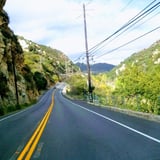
x: 59, y: 24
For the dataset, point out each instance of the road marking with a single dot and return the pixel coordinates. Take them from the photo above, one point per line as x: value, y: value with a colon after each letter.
x: 33, y: 141
x: 15, y: 114
x: 17, y: 152
x: 38, y: 150
x: 116, y: 122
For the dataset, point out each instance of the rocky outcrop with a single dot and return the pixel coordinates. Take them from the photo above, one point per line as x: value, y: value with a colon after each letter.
x: 26, y: 72
x: 13, y: 87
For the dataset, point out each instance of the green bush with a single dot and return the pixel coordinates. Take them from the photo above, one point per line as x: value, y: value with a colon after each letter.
x: 2, y: 111
x: 77, y: 84
x: 41, y: 82
x: 3, y: 85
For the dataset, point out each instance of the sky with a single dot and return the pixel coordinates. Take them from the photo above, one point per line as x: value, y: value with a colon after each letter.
x: 60, y: 24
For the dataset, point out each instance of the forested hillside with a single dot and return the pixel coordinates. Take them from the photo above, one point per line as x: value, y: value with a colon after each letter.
x: 138, y: 79
x: 134, y: 84
x: 51, y: 63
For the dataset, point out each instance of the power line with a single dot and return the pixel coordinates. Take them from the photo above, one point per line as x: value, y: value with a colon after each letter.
x: 125, y: 44
x: 149, y: 11
x: 141, y: 15
x: 127, y: 5
x: 131, y: 22
x: 96, y: 46
x: 79, y: 57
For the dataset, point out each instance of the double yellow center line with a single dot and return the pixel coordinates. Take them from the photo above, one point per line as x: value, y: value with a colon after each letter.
x: 33, y: 141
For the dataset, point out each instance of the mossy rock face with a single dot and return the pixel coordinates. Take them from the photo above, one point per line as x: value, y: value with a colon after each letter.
x: 11, y: 67
x: 32, y: 67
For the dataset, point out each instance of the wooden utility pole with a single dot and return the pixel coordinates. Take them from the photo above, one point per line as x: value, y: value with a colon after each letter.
x: 15, y: 77
x: 87, y: 55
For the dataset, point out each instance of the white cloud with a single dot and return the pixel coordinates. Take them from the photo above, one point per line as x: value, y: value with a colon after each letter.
x: 60, y: 24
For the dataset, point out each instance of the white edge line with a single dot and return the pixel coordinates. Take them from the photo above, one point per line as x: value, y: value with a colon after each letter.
x: 19, y: 112
x: 121, y: 124
x: 14, y: 114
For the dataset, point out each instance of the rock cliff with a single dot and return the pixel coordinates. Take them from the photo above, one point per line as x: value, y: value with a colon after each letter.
x: 26, y: 68
x: 13, y: 88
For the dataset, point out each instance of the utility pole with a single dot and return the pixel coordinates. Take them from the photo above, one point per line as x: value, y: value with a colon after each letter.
x: 15, y: 77
x: 87, y: 56
x: 66, y: 67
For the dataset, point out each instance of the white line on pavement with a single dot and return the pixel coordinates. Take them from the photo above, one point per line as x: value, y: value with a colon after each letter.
x: 121, y: 124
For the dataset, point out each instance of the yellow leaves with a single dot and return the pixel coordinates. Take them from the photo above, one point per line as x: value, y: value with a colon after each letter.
x: 100, y: 83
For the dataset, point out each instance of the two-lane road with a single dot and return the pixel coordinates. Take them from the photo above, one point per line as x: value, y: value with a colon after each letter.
x: 80, y: 132
x: 74, y: 132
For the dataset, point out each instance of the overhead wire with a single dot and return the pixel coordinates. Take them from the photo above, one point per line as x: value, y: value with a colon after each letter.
x: 125, y: 44
x: 127, y: 5
x: 129, y: 24
x: 143, y: 16
x: 138, y: 17
x: 121, y: 28
x: 80, y: 57
x: 147, y: 19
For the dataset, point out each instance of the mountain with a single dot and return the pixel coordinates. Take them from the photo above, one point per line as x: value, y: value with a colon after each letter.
x: 96, y: 68
x: 52, y: 63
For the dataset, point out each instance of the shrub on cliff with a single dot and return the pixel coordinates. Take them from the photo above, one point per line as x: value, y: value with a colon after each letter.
x: 40, y: 80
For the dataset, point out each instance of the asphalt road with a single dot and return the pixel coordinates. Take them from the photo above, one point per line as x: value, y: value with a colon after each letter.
x: 16, y: 129
x: 80, y: 131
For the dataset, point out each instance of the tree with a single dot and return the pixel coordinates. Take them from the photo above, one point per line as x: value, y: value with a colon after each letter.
x: 41, y: 82
x: 131, y: 82
x: 78, y: 83
x: 134, y: 82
